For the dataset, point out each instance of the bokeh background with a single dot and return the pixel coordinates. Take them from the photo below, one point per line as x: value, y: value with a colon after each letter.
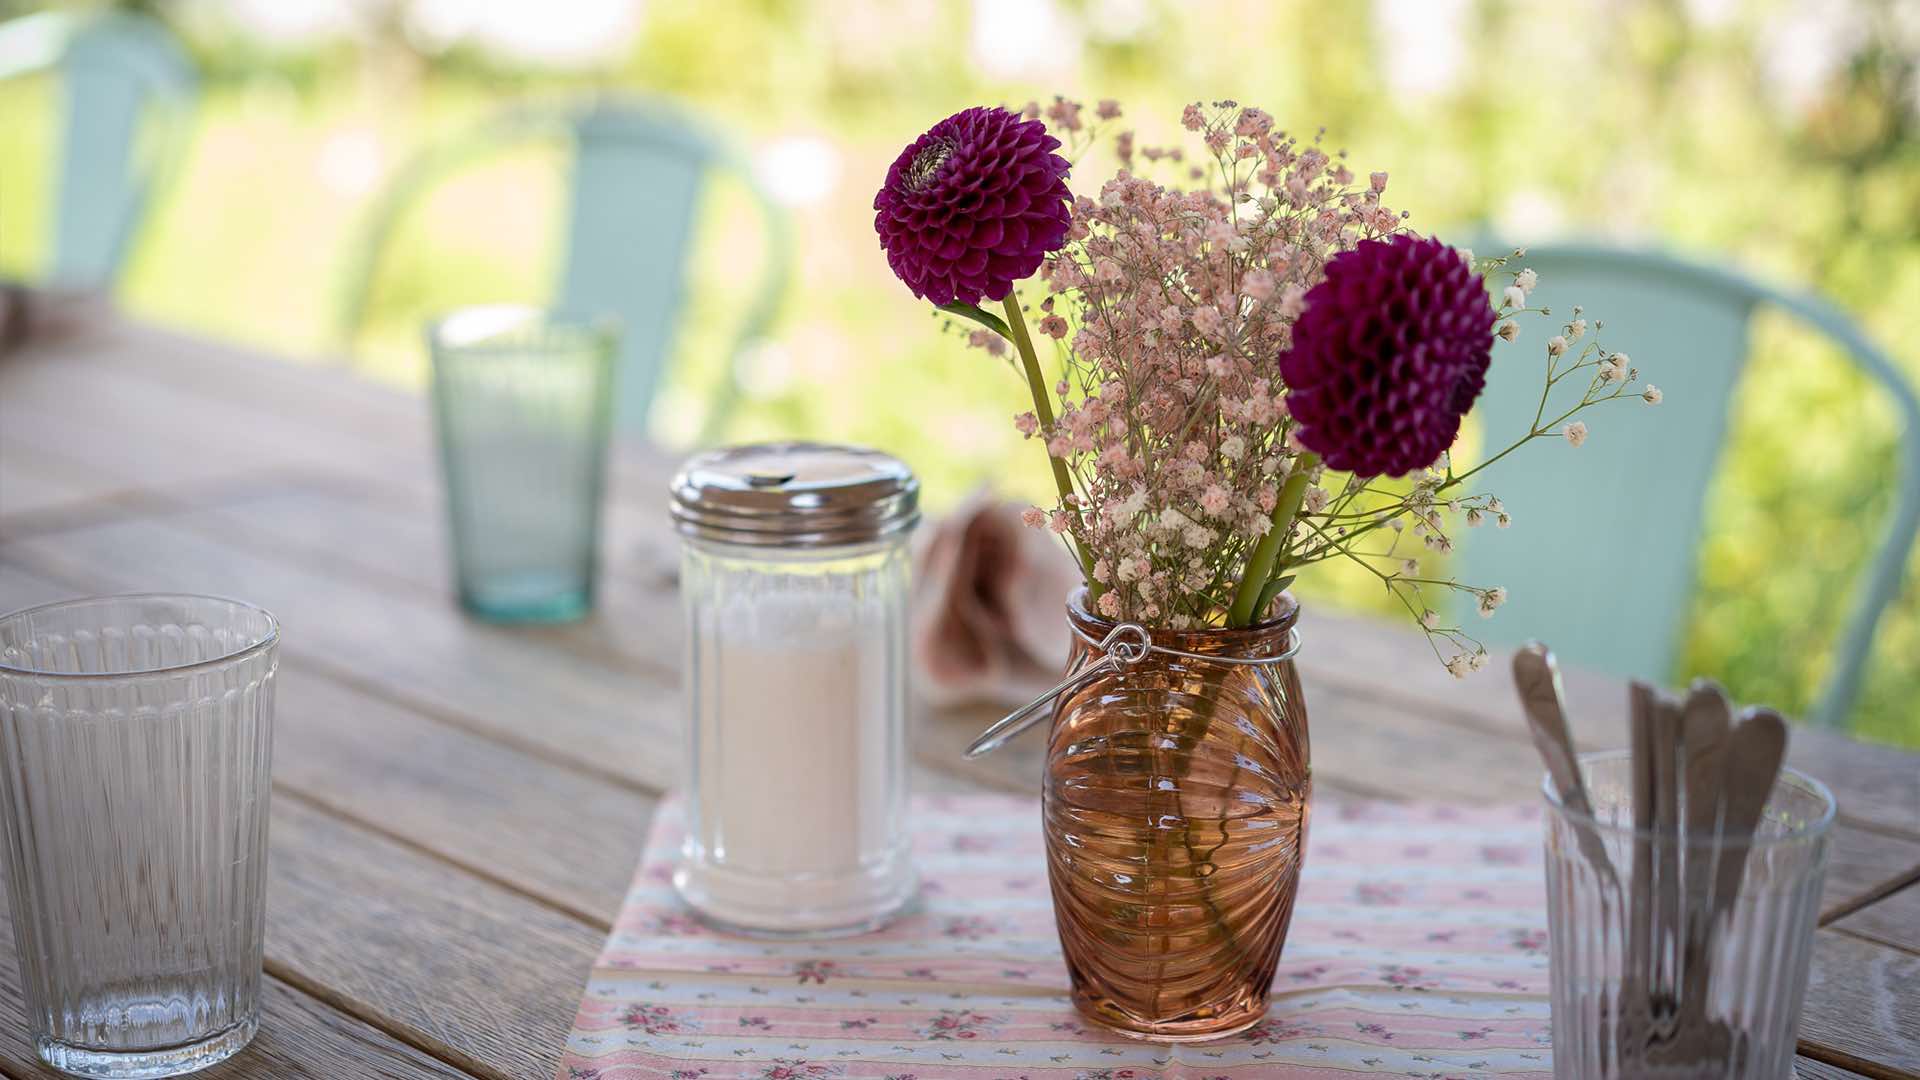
x: 1778, y: 136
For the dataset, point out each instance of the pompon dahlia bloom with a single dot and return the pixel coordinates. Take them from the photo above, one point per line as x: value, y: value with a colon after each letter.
x: 1389, y: 354
x: 973, y: 206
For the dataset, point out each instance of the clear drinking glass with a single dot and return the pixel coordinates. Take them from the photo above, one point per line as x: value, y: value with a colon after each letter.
x: 1744, y: 974
x: 523, y: 400
x: 136, y: 737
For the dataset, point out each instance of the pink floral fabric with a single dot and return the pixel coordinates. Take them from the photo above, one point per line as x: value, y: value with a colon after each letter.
x: 1418, y: 949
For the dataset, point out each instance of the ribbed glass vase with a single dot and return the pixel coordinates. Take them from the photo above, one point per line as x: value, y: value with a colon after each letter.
x: 1175, y: 808
x: 136, y: 736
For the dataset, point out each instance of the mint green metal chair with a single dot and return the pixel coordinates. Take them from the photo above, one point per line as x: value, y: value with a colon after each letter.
x: 129, y: 91
x: 638, y: 172
x: 1600, y: 561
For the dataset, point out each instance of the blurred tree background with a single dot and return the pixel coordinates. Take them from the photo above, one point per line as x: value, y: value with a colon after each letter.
x: 1775, y: 135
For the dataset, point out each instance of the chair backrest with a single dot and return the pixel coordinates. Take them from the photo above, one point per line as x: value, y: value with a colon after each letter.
x: 129, y: 89
x: 638, y: 174
x: 1600, y: 561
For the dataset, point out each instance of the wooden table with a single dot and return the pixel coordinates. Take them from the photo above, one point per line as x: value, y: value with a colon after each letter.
x: 457, y: 806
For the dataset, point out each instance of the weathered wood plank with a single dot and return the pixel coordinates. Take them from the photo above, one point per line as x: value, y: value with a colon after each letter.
x: 22, y: 588
x: 149, y: 432
x: 1863, y: 1007
x: 1380, y: 660
x: 338, y: 418
x: 34, y: 483
x: 545, y: 830
x: 482, y: 978
x: 299, y: 1037
x: 1864, y: 866
x: 1806, y: 1068
x: 1359, y: 746
x: 1893, y: 920
x: 383, y: 536
x: 1875, y: 785
x: 527, y: 687
x: 237, y: 377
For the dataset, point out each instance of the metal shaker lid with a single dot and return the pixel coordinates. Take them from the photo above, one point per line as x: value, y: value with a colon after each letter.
x: 794, y: 495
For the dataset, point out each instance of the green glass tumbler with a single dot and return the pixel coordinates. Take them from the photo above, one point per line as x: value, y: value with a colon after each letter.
x: 523, y: 399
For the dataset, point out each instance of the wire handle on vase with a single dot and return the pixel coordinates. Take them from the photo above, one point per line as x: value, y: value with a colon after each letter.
x: 1124, y: 646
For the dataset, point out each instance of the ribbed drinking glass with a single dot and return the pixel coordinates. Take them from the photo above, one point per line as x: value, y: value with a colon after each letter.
x: 1718, y: 989
x: 136, y: 738
x: 523, y: 400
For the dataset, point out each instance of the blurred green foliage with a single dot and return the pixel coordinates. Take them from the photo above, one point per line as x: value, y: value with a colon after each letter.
x: 1778, y: 135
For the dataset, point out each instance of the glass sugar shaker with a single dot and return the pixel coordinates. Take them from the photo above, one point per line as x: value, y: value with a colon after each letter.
x: 794, y: 576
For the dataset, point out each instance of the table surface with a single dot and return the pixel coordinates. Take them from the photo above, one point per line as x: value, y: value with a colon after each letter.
x: 457, y: 806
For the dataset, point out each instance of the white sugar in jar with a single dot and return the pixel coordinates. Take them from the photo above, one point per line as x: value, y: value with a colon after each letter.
x: 794, y: 574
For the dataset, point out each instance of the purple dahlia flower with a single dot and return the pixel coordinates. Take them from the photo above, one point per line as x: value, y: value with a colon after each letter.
x: 973, y: 206
x: 1389, y: 354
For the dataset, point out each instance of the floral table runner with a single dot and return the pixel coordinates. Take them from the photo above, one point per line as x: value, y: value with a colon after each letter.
x: 1418, y: 949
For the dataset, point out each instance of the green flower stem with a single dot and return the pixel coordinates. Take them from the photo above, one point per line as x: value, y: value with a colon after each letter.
x: 1043, y: 409
x: 1260, y: 566
x: 1213, y: 679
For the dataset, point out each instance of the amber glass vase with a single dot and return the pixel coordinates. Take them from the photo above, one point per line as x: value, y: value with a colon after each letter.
x: 1175, y: 810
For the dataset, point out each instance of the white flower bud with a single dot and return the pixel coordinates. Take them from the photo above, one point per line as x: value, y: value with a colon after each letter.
x: 1556, y: 345
x: 1491, y: 600
x: 1526, y: 279
x: 1652, y: 394
x: 1514, y: 296
x: 1576, y: 432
